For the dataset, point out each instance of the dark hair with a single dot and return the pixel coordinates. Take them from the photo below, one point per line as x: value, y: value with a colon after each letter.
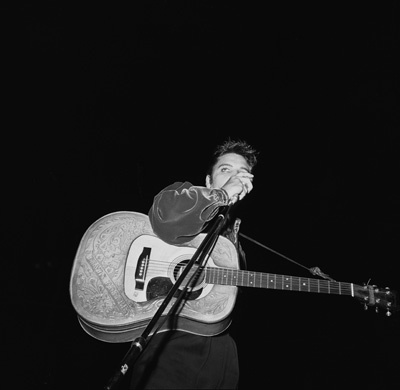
x: 238, y: 147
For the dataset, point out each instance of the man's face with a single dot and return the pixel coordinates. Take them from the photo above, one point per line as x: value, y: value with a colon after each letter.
x: 227, y: 165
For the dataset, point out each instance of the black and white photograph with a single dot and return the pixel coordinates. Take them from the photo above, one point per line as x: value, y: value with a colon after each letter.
x: 201, y: 195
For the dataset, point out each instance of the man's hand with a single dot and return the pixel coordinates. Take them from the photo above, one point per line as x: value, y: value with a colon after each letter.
x: 238, y: 186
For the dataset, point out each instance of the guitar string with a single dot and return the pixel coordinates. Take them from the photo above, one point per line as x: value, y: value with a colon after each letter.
x: 157, y: 266
x: 161, y: 265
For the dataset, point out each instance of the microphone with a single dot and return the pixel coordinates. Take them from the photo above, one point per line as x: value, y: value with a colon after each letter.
x: 233, y: 200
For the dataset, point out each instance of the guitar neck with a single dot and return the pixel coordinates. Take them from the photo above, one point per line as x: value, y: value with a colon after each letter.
x: 235, y: 277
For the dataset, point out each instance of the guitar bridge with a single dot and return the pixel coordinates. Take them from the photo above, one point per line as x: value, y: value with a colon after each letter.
x: 141, y: 269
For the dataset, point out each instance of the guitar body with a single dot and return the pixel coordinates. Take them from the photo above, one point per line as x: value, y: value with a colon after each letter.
x: 116, y: 290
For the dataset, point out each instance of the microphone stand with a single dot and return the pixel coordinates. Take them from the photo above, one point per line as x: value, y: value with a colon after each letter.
x: 138, y: 345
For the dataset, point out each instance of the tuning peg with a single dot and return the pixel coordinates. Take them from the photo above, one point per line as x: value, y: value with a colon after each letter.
x: 388, y: 313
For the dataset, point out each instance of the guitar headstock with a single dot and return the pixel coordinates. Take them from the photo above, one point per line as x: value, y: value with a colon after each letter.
x: 376, y: 297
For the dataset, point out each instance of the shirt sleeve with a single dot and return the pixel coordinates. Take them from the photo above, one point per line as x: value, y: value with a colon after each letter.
x: 181, y: 211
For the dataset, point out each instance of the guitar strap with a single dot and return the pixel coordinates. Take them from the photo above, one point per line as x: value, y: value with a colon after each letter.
x: 314, y: 270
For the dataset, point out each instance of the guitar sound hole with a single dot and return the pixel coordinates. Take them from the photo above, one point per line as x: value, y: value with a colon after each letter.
x: 195, y: 276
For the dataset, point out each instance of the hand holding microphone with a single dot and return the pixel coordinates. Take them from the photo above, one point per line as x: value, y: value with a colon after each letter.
x: 238, y: 186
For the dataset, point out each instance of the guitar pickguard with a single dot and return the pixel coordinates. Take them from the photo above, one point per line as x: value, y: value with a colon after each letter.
x: 159, y: 287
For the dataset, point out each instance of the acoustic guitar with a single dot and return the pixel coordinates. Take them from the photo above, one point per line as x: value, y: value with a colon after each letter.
x: 122, y: 271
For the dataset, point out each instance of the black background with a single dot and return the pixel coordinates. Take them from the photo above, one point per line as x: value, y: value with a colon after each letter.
x: 106, y: 104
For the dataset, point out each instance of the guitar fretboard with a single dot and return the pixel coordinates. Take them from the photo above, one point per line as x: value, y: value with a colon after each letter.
x: 235, y: 277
